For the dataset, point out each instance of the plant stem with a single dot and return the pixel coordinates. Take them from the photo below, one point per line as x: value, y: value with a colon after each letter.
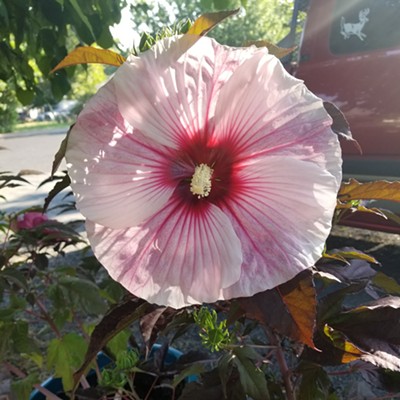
x: 46, y: 316
x: 280, y: 357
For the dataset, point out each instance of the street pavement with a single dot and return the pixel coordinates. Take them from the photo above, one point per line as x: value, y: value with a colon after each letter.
x: 33, y: 154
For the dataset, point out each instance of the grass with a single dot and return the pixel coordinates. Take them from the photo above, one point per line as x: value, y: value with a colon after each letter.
x: 40, y: 125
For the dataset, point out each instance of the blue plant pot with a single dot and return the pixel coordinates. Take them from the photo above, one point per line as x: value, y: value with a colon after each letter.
x: 54, y: 385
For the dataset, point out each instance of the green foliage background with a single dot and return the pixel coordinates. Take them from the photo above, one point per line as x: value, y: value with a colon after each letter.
x: 257, y: 20
x: 35, y: 35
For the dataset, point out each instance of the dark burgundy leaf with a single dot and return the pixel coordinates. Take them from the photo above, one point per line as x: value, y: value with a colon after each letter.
x: 294, y: 305
x: 116, y: 320
x: 340, y: 124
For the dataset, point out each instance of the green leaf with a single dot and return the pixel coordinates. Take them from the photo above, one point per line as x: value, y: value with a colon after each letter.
x: 5, y: 337
x: 64, y: 356
x: 25, y: 96
x: 119, y: 342
x: 22, y: 388
x: 223, y: 4
x: 59, y: 85
x: 14, y: 276
x: 82, y: 16
x: 252, y: 378
x: 85, y: 293
x: 22, y: 342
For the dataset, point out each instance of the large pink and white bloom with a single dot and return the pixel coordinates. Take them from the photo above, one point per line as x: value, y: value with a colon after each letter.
x: 205, y: 172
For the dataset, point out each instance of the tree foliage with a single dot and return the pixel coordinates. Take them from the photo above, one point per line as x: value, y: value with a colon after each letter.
x: 39, y: 33
x: 8, y: 108
x: 258, y: 19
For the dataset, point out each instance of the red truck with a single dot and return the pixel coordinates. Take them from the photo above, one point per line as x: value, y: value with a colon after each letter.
x: 349, y: 54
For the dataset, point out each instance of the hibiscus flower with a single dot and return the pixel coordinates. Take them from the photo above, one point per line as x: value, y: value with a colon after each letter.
x: 205, y: 172
x: 30, y: 220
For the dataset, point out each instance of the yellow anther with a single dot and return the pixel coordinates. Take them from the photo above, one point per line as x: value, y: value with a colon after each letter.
x: 201, y: 181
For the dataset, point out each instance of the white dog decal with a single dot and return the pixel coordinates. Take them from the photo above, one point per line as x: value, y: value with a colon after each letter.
x: 348, y: 29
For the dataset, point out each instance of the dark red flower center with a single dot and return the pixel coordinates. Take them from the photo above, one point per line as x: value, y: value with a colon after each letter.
x: 219, y: 164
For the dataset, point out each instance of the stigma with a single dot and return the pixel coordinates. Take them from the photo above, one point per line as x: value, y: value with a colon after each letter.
x: 200, y: 184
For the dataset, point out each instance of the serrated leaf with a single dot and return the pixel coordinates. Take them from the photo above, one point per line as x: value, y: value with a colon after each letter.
x: 22, y: 342
x: 90, y: 55
x: 375, y: 329
x: 206, y: 22
x: 119, y: 342
x: 85, y: 293
x: 252, y: 378
x: 377, y: 190
x: 64, y: 355
x: 116, y: 320
x: 278, y: 52
x: 294, y: 305
x: 22, y: 388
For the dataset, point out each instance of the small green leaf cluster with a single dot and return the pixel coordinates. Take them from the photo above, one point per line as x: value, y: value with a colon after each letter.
x: 119, y: 376
x: 214, y: 334
x: 147, y: 40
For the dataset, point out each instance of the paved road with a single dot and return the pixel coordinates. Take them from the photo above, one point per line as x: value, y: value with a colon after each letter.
x: 29, y: 151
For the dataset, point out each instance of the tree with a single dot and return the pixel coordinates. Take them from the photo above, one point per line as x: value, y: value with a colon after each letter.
x: 8, y: 108
x: 42, y: 32
x: 258, y: 19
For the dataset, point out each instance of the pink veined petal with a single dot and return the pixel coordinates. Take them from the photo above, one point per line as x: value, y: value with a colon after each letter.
x: 179, y: 257
x: 282, y: 215
x: 262, y: 108
x: 169, y: 92
x: 119, y: 177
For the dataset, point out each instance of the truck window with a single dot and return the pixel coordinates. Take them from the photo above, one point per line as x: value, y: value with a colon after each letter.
x: 363, y: 25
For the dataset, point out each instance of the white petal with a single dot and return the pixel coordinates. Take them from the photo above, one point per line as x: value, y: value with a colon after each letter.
x: 262, y: 108
x: 119, y: 177
x: 169, y: 92
x: 282, y: 214
x: 179, y: 257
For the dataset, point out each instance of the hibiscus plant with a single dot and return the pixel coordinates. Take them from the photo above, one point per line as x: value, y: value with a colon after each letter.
x: 209, y: 179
